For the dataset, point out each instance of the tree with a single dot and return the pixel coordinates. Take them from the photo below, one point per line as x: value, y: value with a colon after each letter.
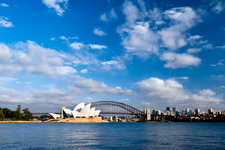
x: 18, y: 113
x: 27, y: 114
x: 7, y: 112
x: 1, y: 114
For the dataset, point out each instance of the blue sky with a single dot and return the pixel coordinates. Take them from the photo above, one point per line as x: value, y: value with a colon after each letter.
x: 149, y: 54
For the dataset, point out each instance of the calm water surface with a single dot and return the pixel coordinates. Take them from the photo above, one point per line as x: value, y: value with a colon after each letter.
x: 112, y: 136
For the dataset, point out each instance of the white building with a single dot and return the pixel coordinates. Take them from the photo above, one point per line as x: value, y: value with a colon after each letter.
x: 85, y: 111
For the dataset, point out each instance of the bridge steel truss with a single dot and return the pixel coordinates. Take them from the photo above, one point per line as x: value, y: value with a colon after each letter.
x: 132, y: 110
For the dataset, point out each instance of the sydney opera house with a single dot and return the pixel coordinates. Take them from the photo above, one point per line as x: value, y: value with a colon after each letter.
x: 80, y: 111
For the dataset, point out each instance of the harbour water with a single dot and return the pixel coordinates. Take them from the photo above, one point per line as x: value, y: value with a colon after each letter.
x: 112, y: 135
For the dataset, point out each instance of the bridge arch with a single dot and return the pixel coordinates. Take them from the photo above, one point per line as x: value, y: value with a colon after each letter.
x: 132, y: 110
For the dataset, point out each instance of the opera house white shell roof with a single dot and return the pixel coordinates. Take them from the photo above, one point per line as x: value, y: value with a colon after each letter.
x: 86, y: 111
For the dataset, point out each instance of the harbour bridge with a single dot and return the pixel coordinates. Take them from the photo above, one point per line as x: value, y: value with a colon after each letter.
x: 108, y: 107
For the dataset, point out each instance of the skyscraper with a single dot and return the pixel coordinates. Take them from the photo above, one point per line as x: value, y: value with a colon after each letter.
x: 174, y: 109
x: 167, y: 108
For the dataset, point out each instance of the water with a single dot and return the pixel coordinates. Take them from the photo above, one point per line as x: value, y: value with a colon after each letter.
x: 112, y: 136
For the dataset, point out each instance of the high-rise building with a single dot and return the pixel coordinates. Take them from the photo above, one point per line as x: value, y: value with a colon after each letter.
x: 148, y: 115
x: 210, y: 111
x: 197, y: 112
x: 174, y: 109
x: 167, y: 108
x: 190, y: 111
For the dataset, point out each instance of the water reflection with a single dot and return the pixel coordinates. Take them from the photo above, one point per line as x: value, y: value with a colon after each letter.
x: 112, y: 136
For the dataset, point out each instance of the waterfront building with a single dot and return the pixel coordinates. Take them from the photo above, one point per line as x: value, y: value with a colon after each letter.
x: 153, y: 112
x: 85, y: 112
x: 177, y: 113
x: 191, y: 111
x: 167, y: 108
x: 174, y: 109
x: 197, y: 112
x: 158, y: 112
x: 211, y: 111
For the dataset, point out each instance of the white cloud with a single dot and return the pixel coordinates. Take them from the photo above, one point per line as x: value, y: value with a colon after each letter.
x: 175, y: 60
x: 172, y: 92
x: 103, y: 17
x: 144, y: 38
x: 7, y: 69
x: 50, y: 85
x: 99, y: 87
x: 5, y: 52
x: 118, y: 88
x: 94, y: 46
x: 218, y: 7
x: 184, y: 78
x: 112, y: 13
x: 208, y: 46
x: 84, y: 71
x: 222, y: 87
x: 194, y: 50
x: 5, y: 23
x: 73, y: 37
x: 77, y: 45
x: 222, y: 47
x: 12, y: 96
x: 4, y: 5
x: 131, y: 11
x: 65, y: 70
x: 28, y: 82
x: 6, y: 79
x: 52, y: 39
x: 139, y: 39
x: 55, y: 4
x: 99, y: 32
x: 113, y: 64
x: 125, y: 99
x: 75, y: 90
x: 63, y: 38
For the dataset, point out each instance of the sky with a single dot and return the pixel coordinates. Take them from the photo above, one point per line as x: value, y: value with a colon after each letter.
x: 149, y: 54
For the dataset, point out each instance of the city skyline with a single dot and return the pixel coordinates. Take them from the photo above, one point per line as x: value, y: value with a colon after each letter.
x: 148, y: 54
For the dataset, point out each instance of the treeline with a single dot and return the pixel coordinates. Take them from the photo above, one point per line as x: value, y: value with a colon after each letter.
x: 9, y: 115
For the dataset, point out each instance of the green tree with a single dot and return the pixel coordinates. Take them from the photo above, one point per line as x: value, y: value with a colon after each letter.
x: 1, y: 114
x: 18, y: 113
x: 27, y: 114
x: 7, y: 112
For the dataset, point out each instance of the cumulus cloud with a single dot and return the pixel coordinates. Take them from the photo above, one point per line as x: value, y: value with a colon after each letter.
x: 172, y: 92
x: 175, y: 60
x: 5, y: 23
x: 113, y: 14
x: 56, y: 5
x: 99, y: 87
x: 4, y: 5
x: 95, y: 46
x: 99, y: 32
x: 139, y: 39
x: 103, y: 17
x: 113, y: 64
x: 194, y: 50
x: 218, y: 6
x: 52, y: 39
x: 143, y: 34
x: 65, y: 70
x: 5, y: 52
x: 6, y: 79
x: 33, y: 58
x: 76, y: 45
x: 84, y: 71
x: 37, y: 99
